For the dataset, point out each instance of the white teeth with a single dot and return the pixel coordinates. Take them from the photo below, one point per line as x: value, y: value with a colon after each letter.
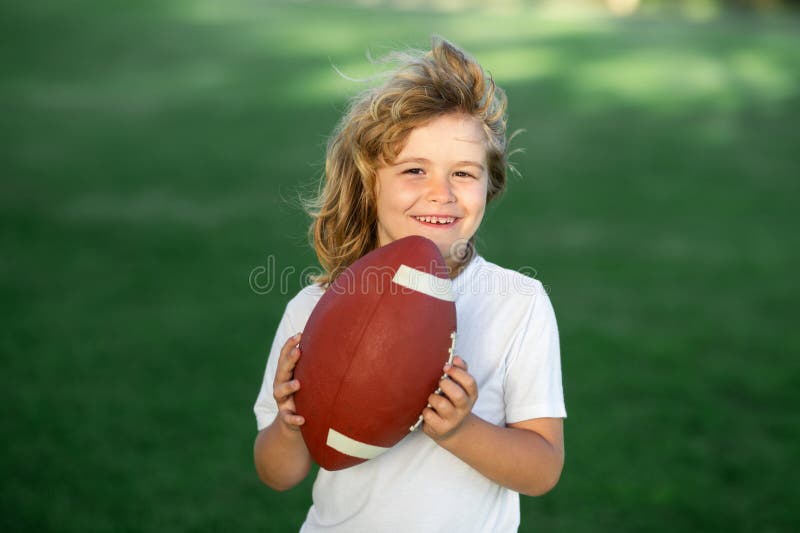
x: 436, y: 220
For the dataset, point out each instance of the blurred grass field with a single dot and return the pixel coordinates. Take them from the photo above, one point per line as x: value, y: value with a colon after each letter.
x: 151, y: 153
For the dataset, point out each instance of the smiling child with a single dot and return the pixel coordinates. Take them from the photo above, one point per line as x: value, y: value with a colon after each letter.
x: 423, y: 154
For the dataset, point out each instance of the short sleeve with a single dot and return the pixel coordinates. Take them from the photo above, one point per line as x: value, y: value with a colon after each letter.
x: 265, y: 408
x: 533, y: 386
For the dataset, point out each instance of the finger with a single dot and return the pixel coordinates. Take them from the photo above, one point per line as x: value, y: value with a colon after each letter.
x: 290, y: 343
x: 459, y: 362
x: 288, y: 358
x: 441, y: 405
x: 283, y: 390
x: 454, y: 393
x: 464, y: 379
x: 432, y: 421
x: 285, y: 370
x: 293, y: 420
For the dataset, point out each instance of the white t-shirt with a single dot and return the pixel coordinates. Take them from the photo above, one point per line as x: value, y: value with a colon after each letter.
x: 508, y: 336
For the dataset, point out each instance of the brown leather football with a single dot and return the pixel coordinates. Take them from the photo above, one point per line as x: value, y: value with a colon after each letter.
x: 373, y: 351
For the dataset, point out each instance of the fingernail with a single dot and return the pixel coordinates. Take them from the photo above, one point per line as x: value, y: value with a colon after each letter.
x: 447, y: 366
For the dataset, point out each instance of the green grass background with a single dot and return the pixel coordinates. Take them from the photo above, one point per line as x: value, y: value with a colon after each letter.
x: 150, y: 156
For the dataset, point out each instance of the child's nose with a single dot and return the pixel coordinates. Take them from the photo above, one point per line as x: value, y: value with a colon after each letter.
x: 440, y: 190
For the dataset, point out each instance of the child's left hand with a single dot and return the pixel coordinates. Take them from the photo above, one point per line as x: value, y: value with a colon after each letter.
x: 447, y: 412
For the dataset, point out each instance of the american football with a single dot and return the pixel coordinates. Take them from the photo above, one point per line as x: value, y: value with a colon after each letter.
x: 373, y: 351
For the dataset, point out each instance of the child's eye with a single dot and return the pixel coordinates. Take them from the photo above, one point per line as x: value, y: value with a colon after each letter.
x: 415, y: 171
x: 463, y: 174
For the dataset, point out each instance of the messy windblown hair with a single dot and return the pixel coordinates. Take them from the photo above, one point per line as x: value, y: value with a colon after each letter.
x: 373, y: 131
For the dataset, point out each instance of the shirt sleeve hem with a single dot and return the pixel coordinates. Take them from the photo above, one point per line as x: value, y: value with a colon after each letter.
x: 519, y: 414
x: 264, y: 419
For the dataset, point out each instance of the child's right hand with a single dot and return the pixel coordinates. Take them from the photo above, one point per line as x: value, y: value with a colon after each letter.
x: 284, y: 386
x: 281, y: 457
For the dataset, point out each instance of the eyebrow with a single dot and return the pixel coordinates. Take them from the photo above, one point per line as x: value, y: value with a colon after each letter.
x: 424, y: 160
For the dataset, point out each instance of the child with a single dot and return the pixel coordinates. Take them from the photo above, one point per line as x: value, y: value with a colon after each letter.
x: 423, y: 154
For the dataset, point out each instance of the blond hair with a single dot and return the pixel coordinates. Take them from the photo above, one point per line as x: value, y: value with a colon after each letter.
x: 373, y: 131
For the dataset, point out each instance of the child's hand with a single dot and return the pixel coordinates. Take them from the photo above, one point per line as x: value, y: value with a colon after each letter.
x: 447, y: 412
x: 284, y: 387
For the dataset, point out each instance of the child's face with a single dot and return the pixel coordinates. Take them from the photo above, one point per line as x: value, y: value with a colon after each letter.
x: 437, y: 185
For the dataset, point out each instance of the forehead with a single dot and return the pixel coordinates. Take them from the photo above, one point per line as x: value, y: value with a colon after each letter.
x: 452, y: 133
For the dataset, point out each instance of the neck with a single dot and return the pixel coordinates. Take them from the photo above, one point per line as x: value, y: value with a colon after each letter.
x: 456, y: 267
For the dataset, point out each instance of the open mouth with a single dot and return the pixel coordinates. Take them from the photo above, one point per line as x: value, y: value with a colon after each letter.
x: 431, y: 220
